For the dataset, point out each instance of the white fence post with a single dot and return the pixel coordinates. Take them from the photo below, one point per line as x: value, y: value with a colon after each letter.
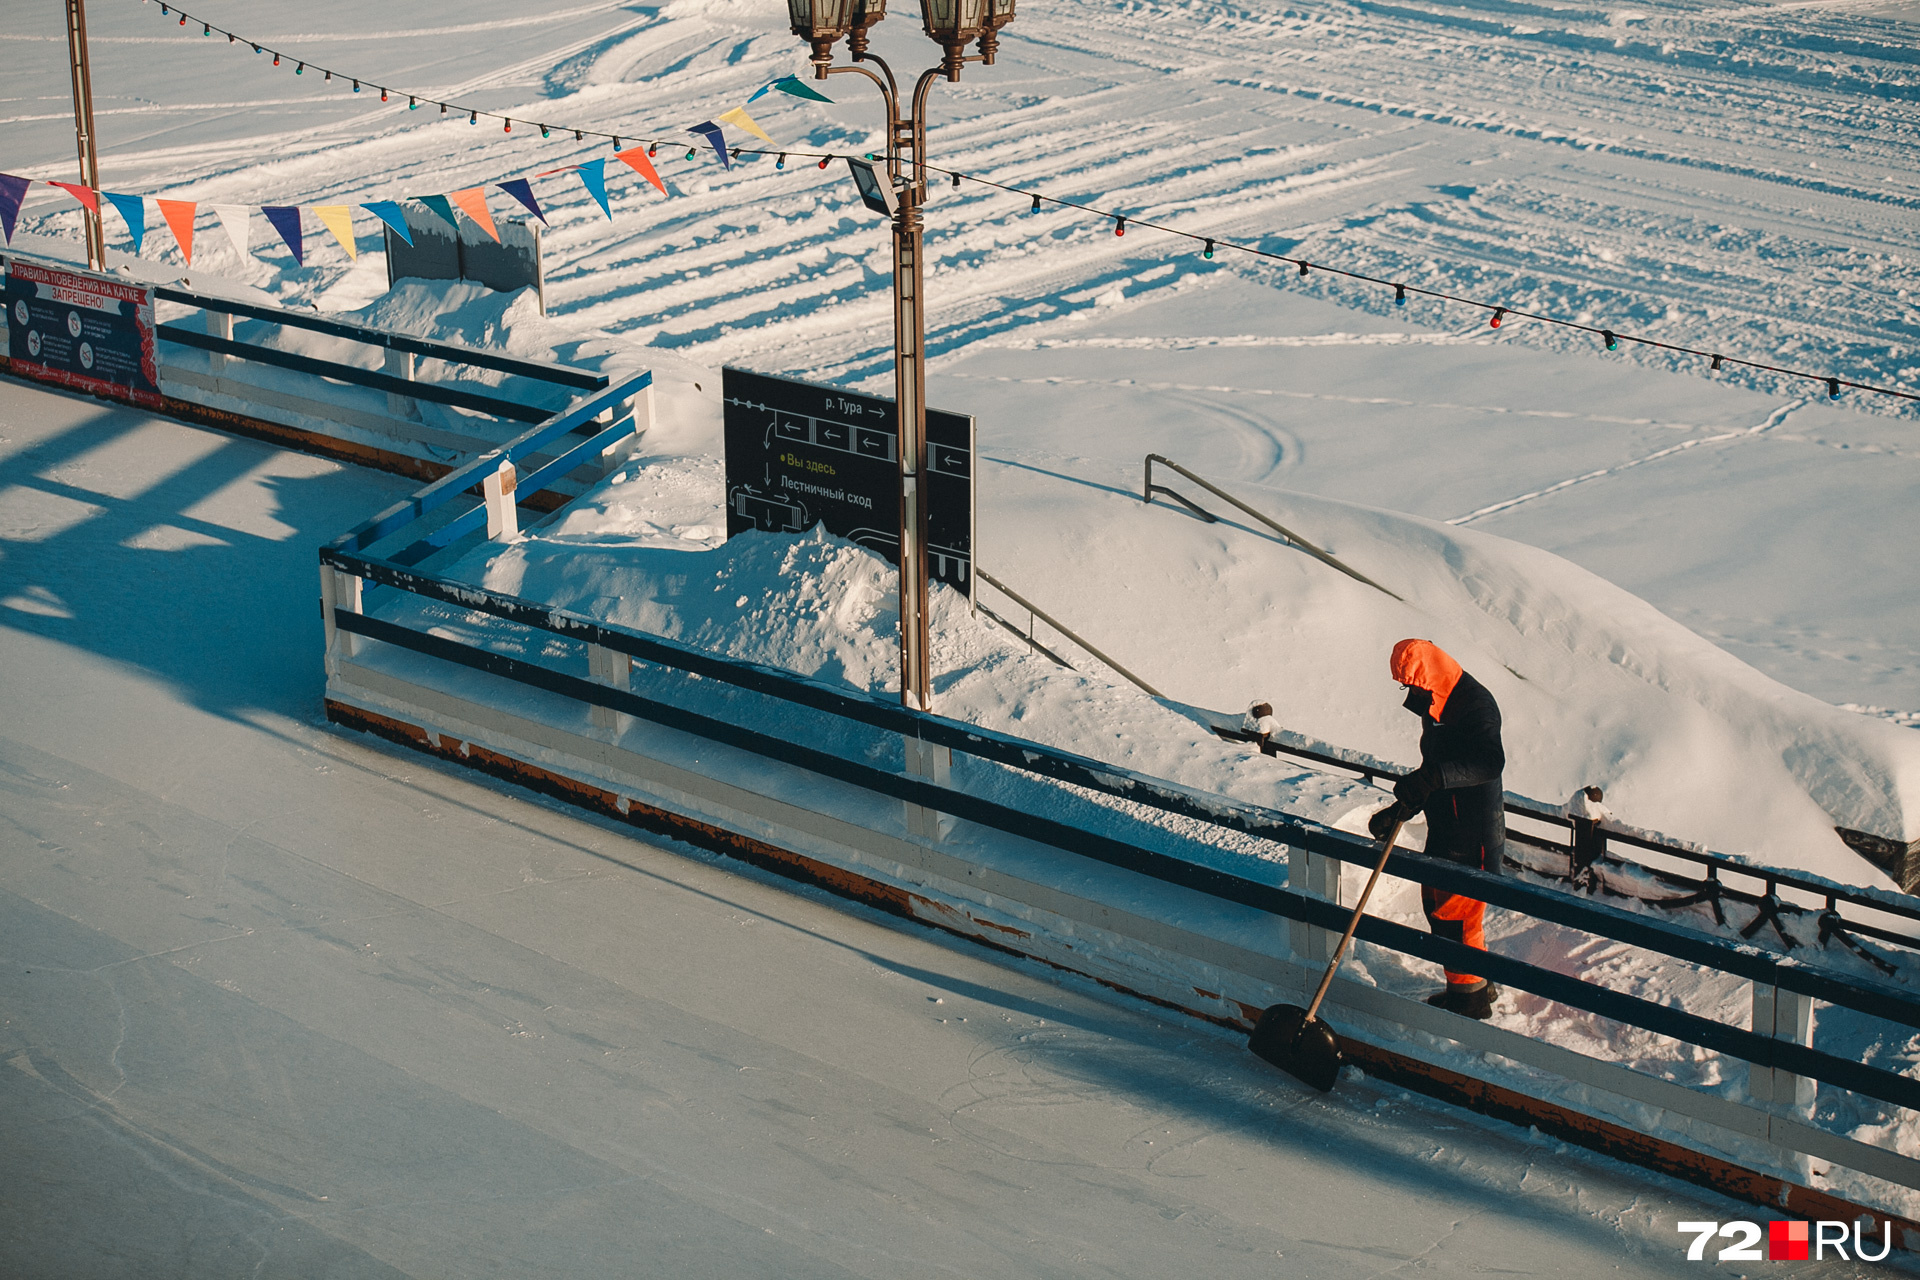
x: 219, y: 325
x: 1316, y: 876
x: 338, y: 591
x: 615, y: 670
x: 931, y: 764
x: 503, y: 515
x: 1783, y: 1015
x: 399, y: 364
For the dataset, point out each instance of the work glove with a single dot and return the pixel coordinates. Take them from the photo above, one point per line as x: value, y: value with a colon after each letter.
x: 1381, y: 824
x: 1417, y: 788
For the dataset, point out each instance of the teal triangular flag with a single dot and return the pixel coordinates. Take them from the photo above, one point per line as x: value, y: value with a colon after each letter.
x: 800, y: 89
x: 594, y: 174
x: 442, y: 206
x: 133, y: 209
x: 390, y: 212
x: 791, y: 84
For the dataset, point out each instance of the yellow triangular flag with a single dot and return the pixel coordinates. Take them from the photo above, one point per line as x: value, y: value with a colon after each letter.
x: 335, y: 218
x: 740, y: 117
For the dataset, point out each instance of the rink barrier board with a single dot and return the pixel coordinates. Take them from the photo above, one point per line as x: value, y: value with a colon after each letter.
x: 348, y: 561
x: 986, y: 744
x: 965, y: 899
x: 1741, y: 959
x: 320, y: 416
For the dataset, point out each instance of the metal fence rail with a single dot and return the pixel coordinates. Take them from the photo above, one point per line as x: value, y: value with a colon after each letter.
x: 1710, y: 888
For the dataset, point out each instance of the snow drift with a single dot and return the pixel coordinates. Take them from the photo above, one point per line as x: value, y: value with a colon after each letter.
x: 1596, y: 685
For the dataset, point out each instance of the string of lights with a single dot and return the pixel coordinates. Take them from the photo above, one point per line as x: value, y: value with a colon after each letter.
x: 1497, y: 313
x: 414, y: 100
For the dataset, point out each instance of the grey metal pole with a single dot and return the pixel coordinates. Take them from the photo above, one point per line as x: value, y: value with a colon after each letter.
x: 83, y: 127
x: 910, y: 397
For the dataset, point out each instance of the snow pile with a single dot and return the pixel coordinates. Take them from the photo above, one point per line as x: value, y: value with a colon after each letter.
x: 1596, y: 685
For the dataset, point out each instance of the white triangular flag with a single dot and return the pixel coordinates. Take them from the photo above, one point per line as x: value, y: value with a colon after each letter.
x: 233, y: 217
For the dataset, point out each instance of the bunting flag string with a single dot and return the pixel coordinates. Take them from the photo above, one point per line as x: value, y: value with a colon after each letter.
x: 791, y: 85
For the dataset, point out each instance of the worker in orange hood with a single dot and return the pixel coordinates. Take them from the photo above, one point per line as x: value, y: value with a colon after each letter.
x: 1458, y: 786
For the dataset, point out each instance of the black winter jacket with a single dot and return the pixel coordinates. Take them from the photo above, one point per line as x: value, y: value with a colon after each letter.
x: 1466, y: 816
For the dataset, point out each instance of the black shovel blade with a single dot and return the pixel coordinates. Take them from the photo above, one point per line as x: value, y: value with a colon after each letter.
x: 1303, y: 1048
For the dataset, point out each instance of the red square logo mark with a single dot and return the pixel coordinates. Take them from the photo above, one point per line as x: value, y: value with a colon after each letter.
x: 1787, y: 1241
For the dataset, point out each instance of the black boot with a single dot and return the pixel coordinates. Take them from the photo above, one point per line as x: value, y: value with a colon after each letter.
x: 1467, y: 999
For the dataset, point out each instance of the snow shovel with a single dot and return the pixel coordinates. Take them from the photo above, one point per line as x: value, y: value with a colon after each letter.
x: 1292, y: 1038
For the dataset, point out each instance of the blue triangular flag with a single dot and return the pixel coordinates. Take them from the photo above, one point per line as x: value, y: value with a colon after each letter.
x: 594, y: 174
x: 133, y: 210
x: 13, y: 193
x: 711, y: 132
x: 522, y: 190
x: 286, y: 220
x: 390, y: 212
x: 442, y: 206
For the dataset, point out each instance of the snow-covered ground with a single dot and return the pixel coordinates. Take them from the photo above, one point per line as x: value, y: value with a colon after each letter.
x: 1736, y: 177
x: 275, y: 1001
x: 1703, y: 176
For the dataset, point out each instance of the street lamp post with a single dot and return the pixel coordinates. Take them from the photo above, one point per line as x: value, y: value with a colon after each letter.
x: 953, y: 25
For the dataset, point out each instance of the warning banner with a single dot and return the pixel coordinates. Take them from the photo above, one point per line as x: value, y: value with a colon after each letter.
x: 79, y: 330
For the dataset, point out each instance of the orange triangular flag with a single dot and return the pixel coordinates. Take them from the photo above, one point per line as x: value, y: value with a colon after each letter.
x: 179, y: 216
x: 85, y: 195
x: 335, y: 218
x: 635, y: 158
x: 473, y: 203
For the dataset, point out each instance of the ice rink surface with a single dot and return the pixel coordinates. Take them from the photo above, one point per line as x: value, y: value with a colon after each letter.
x: 278, y: 1001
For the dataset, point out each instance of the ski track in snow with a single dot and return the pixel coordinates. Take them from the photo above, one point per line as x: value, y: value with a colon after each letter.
x: 1544, y: 158
x: 1773, y: 420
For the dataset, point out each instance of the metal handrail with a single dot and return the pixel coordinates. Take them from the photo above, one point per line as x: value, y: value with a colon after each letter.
x: 498, y: 406
x: 1715, y: 863
x: 1292, y: 537
x: 1061, y: 627
x: 543, y: 371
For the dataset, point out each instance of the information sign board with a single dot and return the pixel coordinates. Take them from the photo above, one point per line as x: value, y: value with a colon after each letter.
x: 801, y: 454
x: 92, y: 333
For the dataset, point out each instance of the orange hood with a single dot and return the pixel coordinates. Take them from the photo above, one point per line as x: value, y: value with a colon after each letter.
x: 1425, y: 665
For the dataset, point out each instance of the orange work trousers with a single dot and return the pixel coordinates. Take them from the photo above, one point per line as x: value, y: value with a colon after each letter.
x: 1463, y: 919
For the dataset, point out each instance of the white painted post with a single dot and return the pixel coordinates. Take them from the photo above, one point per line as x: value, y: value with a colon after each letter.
x: 1316, y: 876
x: 932, y: 764
x: 399, y: 364
x: 338, y: 591
x: 503, y: 516
x: 219, y: 325
x: 1783, y: 1015
x: 615, y: 670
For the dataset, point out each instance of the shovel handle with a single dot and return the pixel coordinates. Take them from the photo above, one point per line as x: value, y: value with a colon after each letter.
x: 1339, y: 952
